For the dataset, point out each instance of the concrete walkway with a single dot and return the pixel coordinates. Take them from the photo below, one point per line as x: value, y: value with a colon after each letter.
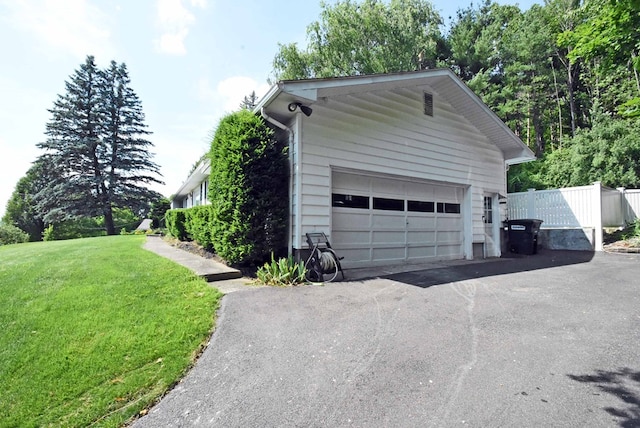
x: 209, y: 269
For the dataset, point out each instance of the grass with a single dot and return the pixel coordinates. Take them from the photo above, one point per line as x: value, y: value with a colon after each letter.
x: 94, y: 330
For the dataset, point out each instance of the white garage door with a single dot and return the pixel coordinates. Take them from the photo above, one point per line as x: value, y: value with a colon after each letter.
x: 383, y: 221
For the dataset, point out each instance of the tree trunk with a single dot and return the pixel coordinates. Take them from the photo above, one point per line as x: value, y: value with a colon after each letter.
x: 572, y: 101
x: 555, y: 84
x: 108, y: 219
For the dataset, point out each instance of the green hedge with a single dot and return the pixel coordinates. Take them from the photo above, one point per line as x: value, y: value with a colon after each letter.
x: 176, y: 223
x: 191, y: 224
x: 248, y: 190
x: 199, y: 224
x: 247, y: 220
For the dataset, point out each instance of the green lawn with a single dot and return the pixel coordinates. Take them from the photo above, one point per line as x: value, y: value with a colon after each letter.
x: 94, y: 330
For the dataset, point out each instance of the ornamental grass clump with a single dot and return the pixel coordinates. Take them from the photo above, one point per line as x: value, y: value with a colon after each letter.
x: 282, y: 272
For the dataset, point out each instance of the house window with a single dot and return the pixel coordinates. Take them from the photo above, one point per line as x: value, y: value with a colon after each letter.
x: 488, y: 210
x: 349, y: 201
x: 388, y: 204
x: 421, y: 206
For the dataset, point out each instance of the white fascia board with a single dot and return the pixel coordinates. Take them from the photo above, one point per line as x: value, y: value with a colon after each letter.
x: 521, y: 159
x: 525, y: 152
x: 268, y: 98
x: 196, y: 177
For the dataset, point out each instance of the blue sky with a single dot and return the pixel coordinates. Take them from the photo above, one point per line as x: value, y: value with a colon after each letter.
x: 190, y: 62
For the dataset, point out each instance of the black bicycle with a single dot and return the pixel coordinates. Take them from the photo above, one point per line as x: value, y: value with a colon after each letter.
x: 323, y: 263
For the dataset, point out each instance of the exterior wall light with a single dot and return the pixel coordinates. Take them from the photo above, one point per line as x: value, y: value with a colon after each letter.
x: 304, y: 109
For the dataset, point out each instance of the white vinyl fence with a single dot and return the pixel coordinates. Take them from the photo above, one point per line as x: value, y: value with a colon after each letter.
x: 583, y: 207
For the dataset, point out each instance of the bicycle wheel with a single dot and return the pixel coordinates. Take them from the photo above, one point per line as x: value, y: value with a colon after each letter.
x: 329, y: 263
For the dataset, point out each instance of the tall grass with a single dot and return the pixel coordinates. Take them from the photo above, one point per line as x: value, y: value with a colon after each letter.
x: 94, y: 330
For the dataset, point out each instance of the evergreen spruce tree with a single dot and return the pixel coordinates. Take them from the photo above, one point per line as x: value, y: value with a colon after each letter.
x: 128, y: 164
x: 95, y: 140
x: 249, y: 101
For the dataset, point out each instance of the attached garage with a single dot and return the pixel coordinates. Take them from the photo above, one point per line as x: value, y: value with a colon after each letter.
x: 383, y: 220
x: 394, y: 168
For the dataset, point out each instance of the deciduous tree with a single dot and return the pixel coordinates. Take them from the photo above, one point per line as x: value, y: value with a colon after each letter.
x: 368, y: 37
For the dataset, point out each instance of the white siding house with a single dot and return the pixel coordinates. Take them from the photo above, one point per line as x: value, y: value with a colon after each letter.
x: 394, y: 168
x: 193, y: 192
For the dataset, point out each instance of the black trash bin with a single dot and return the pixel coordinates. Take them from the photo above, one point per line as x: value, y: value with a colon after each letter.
x: 523, y: 235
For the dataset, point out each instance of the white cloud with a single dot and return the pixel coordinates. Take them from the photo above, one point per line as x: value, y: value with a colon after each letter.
x: 174, y: 21
x: 74, y: 26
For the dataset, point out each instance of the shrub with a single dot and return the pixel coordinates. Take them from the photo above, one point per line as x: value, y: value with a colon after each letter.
x: 10, y: 234
x: 283, y: 272
x: 176, y: 223
x: 199, y: 224
x: 49, y: 233
x: 248, y: 189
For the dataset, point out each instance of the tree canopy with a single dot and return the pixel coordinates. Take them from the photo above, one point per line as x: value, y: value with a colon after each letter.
x: 370, y: 37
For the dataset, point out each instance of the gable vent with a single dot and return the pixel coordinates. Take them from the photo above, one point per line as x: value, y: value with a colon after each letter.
x: 428, y: 104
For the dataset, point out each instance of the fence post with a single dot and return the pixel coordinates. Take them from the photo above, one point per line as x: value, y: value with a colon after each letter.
x: 531, y: 203
x: 597, y: 215
x: 624, y: 206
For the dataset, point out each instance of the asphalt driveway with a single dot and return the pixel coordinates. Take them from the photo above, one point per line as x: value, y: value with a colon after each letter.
x: 547, y: 340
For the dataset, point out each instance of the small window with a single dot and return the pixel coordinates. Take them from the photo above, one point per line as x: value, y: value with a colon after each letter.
x: 349, y: 201
x: 448, y: 208
x: 421, y: 206
x: 488, y: 210
x: 388, y: 204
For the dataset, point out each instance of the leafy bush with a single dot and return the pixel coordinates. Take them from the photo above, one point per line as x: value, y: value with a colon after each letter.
x: 608, y: 152
x: 632, y: 230
x: 284, y: 272
x: 199, y: 224
x: 248, y: 189
x: 48, y: 234
x: 176, y: 223
x: 10, y: 234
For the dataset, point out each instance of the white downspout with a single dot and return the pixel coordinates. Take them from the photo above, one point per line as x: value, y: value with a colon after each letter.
x: 290, y: 131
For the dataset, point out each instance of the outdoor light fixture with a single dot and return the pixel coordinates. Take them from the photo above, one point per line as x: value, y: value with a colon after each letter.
x: 305, y: 109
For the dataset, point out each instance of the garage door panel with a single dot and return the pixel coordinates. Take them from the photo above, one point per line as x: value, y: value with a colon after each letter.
x: 448, y: 223
x: 450, y: 251
x: 421, y: 252
x: 356, y: 256
x: 449, y: 236
x: 350, y: 182
x: 421, y: 223
x: 388, y: 221
x: 388, y: 254
x: 388, y: 237
x: 345, y: 238
x: 351, y: 219
x: 421, y: 237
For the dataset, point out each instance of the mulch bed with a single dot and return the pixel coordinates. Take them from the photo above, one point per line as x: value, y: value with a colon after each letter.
x: 199, y: 250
